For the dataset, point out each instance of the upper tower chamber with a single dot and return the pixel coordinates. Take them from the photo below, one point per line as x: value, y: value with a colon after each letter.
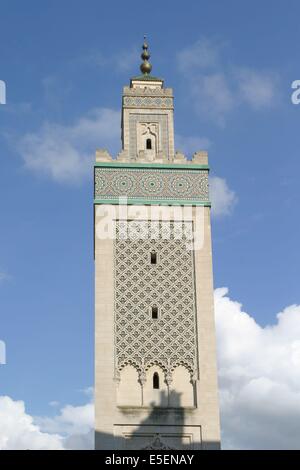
x: 147, y: 126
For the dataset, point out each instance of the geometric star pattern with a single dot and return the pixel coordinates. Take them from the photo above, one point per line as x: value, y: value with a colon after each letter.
x: 171, y: 339
x: 153, y: 184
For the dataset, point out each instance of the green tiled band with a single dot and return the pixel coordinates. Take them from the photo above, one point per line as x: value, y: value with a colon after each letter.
x: 147, y: 202
x: 171, y: 166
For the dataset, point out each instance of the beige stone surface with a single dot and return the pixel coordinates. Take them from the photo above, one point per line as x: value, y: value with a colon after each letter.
x: 114, y: 402
x: 129, y: 412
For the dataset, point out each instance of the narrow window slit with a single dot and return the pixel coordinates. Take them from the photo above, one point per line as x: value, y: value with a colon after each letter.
x: 154, y: 313
x: 156, y: 380
x: 153, y: 258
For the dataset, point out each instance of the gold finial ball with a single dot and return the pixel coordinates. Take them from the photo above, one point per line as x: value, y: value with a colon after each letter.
x: 145, y: 55
x: 146, y: 67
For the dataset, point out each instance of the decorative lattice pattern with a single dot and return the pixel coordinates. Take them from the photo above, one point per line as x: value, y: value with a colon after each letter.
x: 153, y: 184
x: 148, y: 102
x: 161, y: 119
x: 146, y: 91
x: 169, y: 340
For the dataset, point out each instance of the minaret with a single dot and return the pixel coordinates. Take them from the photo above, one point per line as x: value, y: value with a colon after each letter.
x: 155, y: 357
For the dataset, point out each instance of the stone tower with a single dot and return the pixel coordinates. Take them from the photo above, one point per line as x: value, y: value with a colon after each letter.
x: 155, y: 357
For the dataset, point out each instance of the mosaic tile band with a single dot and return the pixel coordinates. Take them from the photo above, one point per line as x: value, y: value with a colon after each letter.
x: 153, y: 184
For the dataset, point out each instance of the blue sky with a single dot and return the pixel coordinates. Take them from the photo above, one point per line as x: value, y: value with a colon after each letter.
x: 231, y: 65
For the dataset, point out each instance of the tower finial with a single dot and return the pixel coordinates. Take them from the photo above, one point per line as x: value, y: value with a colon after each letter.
x: 145, y: 67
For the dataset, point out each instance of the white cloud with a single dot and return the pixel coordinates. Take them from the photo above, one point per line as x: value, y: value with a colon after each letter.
x: 66, y: 153
x: 74, y: 423
x: 124, y: 60
x: 72, y: 428
x: 72, y: 420
x: 4, y: 276
x: 54, y: 403
x: 128, y: 60
x: 223, y: 199
x: 88, y: 391
x: 259, y: 383
x: 212, y: 96
x: 203, y: 54
x: 80, y: 441
x: 18, y: 431
x: 217, y: 87
x: 259, y: 377
x: 94, y: 58
x: 256, y: 89
x: 190, y: 145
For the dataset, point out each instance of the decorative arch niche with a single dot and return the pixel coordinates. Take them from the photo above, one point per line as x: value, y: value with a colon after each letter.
x: 182, y: 389
x: 149, y: 137
x: 155, y: 389
x: 129, y: 388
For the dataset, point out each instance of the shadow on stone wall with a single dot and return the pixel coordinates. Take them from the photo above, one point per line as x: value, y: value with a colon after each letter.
x: 163, y: 429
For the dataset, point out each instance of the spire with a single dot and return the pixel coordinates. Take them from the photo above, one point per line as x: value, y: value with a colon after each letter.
x: 145, y: 67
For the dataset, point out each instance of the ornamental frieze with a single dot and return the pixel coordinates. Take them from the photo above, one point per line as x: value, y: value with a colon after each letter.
x: 148, y: 102
x: 151, y: 184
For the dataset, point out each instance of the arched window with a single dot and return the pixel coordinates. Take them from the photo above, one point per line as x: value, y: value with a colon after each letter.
x: 148, y: 144
x: 156, y: 380
x: 154, y: 311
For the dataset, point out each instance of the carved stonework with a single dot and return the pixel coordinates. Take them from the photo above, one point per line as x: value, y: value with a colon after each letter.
x: 157, y: 444
x: 148, y: 102
x: 147, y: 91
x: 170, y: 340
x: 158, y: 119
x: 102, y: 155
